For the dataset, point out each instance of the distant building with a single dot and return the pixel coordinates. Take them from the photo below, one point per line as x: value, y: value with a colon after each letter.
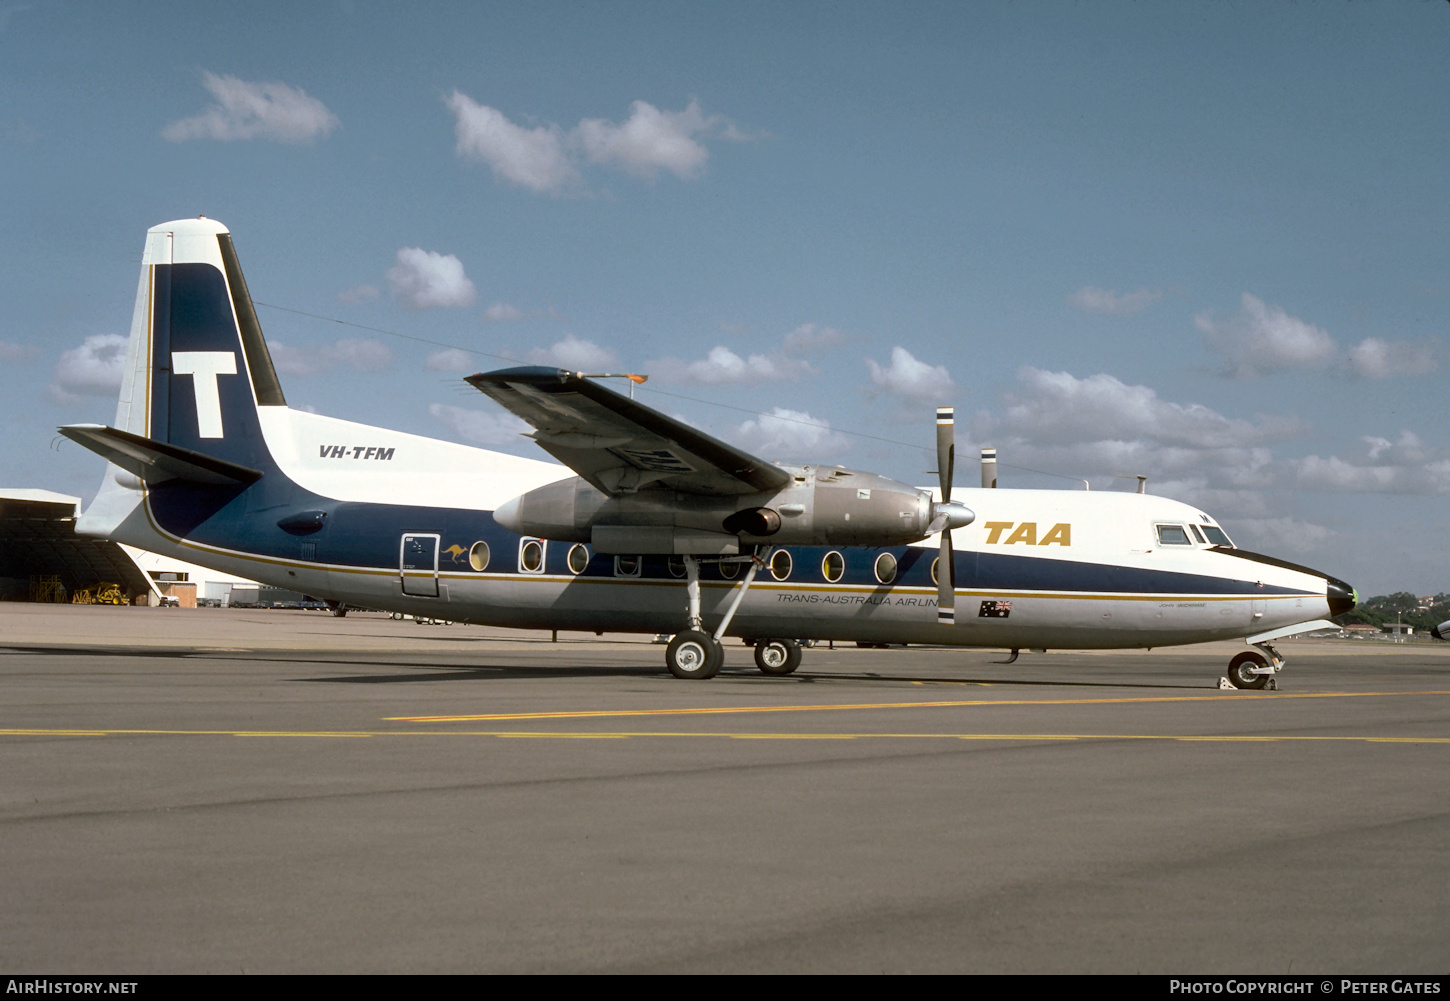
x: 43, y: 559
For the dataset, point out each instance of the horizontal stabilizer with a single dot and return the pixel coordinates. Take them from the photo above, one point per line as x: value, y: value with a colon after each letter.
x: 156, y: 461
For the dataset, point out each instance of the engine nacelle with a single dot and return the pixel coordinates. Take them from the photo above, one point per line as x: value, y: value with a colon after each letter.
x: 823, y: 506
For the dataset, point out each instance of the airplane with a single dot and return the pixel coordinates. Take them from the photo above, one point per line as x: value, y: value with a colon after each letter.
x: 1442, y: 631
x: 660, y: 529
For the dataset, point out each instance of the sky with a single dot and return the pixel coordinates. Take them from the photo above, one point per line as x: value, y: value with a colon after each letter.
x: 1203, y: 242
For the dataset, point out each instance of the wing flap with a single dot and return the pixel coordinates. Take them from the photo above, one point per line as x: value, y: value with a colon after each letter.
x: 620, y: 446
x: 157, y: 461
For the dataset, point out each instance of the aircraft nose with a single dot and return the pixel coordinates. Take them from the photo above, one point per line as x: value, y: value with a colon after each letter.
x: 1342, y: 598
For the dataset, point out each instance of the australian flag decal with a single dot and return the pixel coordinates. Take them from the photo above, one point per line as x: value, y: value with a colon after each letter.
x: 995, y: 610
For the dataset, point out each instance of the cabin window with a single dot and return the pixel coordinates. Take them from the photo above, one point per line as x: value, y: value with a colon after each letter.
x: 729, y: 571
x: 833, y: 566
x: 677, y: 566
x: 780, y: 564
x: 934, y: 564
x: 1198, y: 535
x: 1173, y: 535
x: 1216, y: 536
x: 578, y: 558
x: 478, y: 556
x: 885, y: 568
x: 531, y: 556
x: 627, y: 566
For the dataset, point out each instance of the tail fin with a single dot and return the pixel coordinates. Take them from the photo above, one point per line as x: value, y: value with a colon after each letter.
x: 197, y: 368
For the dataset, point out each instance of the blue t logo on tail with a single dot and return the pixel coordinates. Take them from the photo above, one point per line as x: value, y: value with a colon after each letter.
x: 204, y: 367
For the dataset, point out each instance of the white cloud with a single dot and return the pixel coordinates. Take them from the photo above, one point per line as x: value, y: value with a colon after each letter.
x: 723, y: 366
x: 478, y: 427
x: 650, y: 139
x: 364, y: 355
x: 358, y: 293
x: 1405, y: 466
x: 1060, y: 408
x: 1263, y: 339
x: 547, y: 159
x: 93, y: 369
x: 16, y: 352
x: 245, y: 110
x: 913, y: 379
x: 452, y: 360
x: 502, y: 312
x: 575, y: 354
x: 1280, y: 535
x: 1376, y: 359
x: 808, y: 338
x: 424, y: 279
x: 531, y: 158
x: 790, y: 436
x: 1101, y: 300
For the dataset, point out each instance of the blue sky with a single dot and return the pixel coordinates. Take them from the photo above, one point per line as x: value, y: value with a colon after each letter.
x: 1204, y: 242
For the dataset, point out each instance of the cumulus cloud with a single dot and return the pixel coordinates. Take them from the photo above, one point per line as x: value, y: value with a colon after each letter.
x: 502, y: 312
x: 808, y: 338
x: 1405, y: 465
x: 1101, y: 300
x: 530, y: 158
x: 451, y: 360
x: 1376, y: 359
x: 1060, y: 408
x: 1280, y: 535
x: 913, y: 379
x: 723, y: 366
x: 93, y: 369
x: 547, y: 159
x: 478, y: 427
x: 363, y: 355
x: 244, y: 110
x: 790, y: 436
x: 650, y: 140
x: 424, y: 279
x: 16, y: 352
x: 575, y: 354
x: 1263, y: 339
x: 358, y: 293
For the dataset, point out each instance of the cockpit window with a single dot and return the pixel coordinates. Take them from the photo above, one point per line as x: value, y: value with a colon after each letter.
x: 1217, y: 536
x: 1197, y: 534
x: 1173, y: 535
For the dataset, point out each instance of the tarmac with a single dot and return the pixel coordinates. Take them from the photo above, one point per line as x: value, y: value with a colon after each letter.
x: 233, y: 791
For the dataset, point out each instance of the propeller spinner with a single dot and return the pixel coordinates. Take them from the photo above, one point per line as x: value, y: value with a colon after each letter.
x: 947, y: 515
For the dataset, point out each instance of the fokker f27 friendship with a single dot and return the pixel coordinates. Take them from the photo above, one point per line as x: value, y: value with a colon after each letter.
x: 664, y: 529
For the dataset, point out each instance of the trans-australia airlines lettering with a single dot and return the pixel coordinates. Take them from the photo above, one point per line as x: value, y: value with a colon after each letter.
x: 204, y: 367
x: 353, y: 452
x: 1026, y: 533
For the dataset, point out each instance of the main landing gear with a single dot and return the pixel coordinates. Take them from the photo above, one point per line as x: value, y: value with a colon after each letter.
x: 1253, y: 670
x: 695, y: 653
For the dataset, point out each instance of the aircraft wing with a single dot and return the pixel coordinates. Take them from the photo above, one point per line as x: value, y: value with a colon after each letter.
x: 620, y: 446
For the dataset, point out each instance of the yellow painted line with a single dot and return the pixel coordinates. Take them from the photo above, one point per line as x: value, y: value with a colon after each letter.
x: 723, y: 710
x: 718, y: 735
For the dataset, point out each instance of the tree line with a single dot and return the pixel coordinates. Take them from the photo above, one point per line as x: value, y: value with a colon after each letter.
x: 1402, y: 606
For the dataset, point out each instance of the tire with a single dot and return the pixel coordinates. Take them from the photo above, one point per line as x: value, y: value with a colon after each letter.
x: 693, y: 655
x: 777, y: 657
x: 1238, y: 675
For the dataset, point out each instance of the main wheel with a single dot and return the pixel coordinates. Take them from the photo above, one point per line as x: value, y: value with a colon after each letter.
x: 693, y: 654
x: 1240, y: 674
x: 777, y: 657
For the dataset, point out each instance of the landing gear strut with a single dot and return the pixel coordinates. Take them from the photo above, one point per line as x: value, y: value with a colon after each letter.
x: 695, y: 653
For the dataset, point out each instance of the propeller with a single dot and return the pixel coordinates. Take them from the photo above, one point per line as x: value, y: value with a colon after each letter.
x: 946, y: 516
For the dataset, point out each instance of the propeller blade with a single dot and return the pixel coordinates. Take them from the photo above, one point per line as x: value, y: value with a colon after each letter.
x: 946, y: 449
x: 946, y: 583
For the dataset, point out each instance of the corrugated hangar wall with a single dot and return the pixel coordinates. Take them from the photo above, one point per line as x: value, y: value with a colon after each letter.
x: 42, y: 557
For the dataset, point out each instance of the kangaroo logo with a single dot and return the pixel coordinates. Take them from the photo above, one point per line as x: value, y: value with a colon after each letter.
x: 204, y: 367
